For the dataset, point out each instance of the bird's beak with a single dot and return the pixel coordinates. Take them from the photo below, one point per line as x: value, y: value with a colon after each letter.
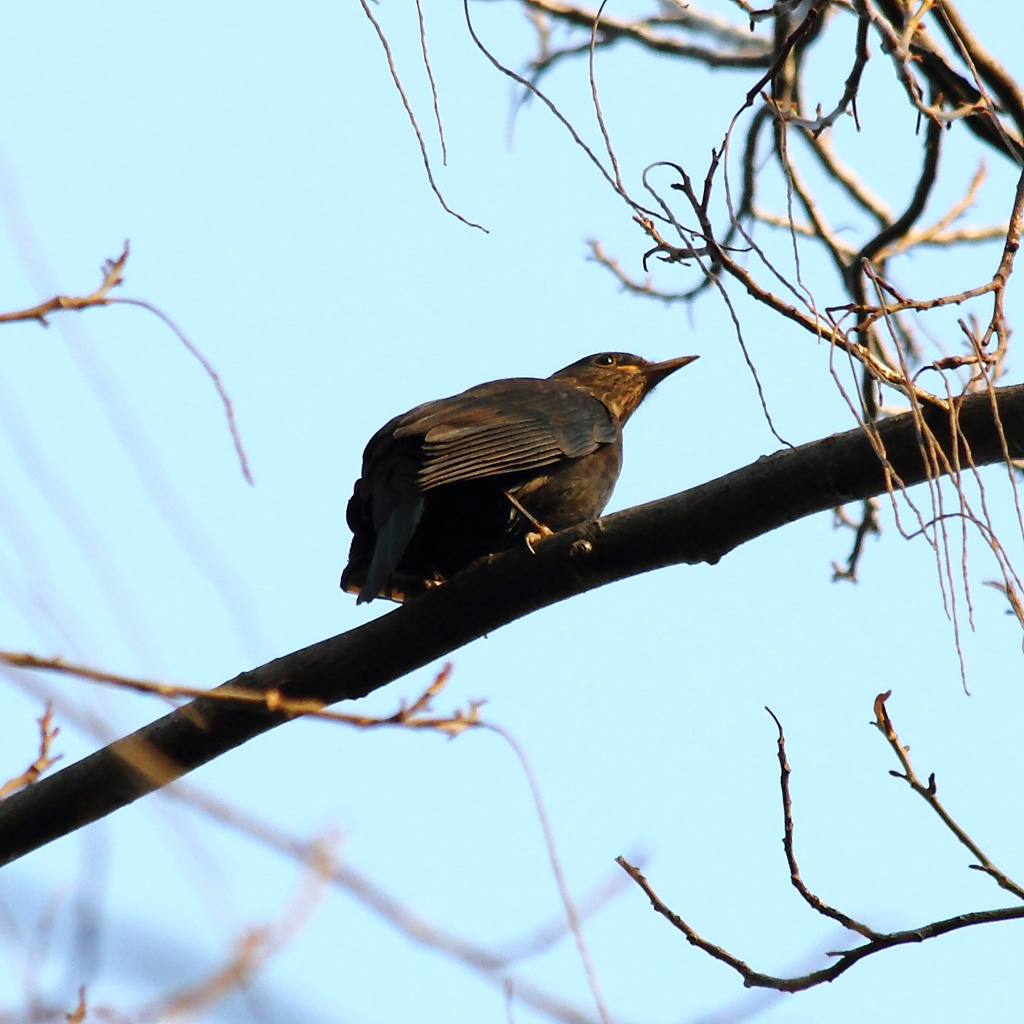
x: 657, y: 372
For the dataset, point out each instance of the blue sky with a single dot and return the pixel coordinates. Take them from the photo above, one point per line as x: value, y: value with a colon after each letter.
x: 264, y: 170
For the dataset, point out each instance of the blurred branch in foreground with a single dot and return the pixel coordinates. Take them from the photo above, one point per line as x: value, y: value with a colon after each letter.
x: 494, y: 964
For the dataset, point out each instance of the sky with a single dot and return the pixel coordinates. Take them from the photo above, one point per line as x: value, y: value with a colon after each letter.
x: 265, y: 172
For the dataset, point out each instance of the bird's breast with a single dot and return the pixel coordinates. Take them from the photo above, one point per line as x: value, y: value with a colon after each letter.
x: 572, y: 491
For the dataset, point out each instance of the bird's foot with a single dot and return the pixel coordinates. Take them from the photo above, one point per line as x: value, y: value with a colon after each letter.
x: 541, y: 533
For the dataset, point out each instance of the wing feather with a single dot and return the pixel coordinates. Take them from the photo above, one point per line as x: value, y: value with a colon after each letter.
x: 505, y: 427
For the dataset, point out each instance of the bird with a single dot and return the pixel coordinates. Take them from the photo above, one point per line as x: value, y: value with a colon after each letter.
x: 505, y: 463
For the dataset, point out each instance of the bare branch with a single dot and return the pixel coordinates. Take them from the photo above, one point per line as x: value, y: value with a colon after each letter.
x: 410, y: 113
x: 113, y: 277
x: 47, y: 734
x: 748, y: 51
x: 430, y: 78
x: 256, y: 946
x: 862, y: 529
x: 412, y: 717
x: 929, y: 794
x: 846, y: 103
x: 845, y: 959
x: 229, y: 409
x: 644, y: 288
x: 877, y: 941
x: 816, y: 903
x: 571, y: 913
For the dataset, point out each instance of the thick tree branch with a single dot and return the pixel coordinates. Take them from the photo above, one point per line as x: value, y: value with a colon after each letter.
x: 698, y: 525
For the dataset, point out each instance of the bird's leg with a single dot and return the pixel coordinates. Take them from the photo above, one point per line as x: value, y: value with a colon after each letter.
x: 532, y: 537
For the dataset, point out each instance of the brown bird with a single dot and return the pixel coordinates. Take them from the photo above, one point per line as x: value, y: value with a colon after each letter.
x: 501, y: 464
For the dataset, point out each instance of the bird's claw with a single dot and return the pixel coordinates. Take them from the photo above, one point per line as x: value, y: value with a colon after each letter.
x: 541, y: 533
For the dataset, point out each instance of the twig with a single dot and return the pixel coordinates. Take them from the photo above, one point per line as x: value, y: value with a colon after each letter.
x: 412, y: 717
x: 599, y: 113
x: 412, y: 119
x: 644, y: 288
x: 530, y: 87
x: 491, y: 965
x: 876, y: 941
x: 816, y: 903
x: 256, y: 946
x: 47, y: 734
x: 845, y: 958
x: 77, y: 1016
x: 430, y: 78
x: 847, y: 102
x: 750, y: 51
x: 113, y: 277
x: 673, y: 254
x: 827, y: 330
x: 867, y: 525
x: 229, y: 409
x: 571, y: 913
x: 929, y: 794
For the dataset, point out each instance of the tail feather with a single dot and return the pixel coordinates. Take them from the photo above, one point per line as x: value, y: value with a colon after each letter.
x: 392, y: 540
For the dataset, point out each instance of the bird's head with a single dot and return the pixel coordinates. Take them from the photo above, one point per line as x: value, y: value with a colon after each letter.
x: 620, y: 380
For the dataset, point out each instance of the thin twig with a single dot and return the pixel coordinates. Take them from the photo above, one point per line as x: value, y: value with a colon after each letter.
x: 47, y: 734
x: 929, y: 794
x: 609, y: 148
x: 491, y: 965
x: 866, y: 526
x: 413, y: 716
x: 229, y: 409
x: 876, y: 941
x: 256, y: 946
x: 845, y: 959
x: 815, y: 902
x: 430, y: 79
x: 748, y: 51
x: 571, y: 913
x: 113, y: 277
x: 645, y: 288
x: 412, y: 119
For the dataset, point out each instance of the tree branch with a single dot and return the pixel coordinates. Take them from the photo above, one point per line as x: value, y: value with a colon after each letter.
x: 698, y: 525
x: 876, y: 941
x: 844, y: 959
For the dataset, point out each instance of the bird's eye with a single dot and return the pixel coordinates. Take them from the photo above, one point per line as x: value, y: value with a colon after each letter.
x: 605, y: 360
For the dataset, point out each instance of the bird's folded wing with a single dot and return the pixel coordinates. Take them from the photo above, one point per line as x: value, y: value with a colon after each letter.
x: 504, y: 427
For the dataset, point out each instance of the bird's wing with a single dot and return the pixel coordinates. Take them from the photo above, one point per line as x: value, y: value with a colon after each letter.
x: 506, y: 426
